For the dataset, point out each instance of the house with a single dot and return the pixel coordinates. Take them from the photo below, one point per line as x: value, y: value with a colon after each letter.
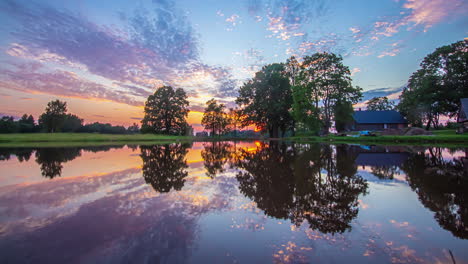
x: 378, y: 120
x: 462, y: 117
x: 201, y: 134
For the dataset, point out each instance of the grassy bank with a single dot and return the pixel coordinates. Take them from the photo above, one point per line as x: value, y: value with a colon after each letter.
x: 81, y: 139
x: 440, y: 137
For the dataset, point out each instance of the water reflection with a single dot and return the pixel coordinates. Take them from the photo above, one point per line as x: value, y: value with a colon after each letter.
x: 161, y: 206
x: 309, y: 182
x: 215, y: 155
x: 165, y: 166
x: 442, y: 186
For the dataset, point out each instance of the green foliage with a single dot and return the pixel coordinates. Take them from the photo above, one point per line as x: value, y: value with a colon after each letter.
x: 215, y: 118
x: 436, y: 88
x: 320, y: 82
x: 343, y: 112
x: 166, y: 112
x: 380, y: 104
x: 266, y: 100
x: 54, y: 116
x: 72, y: 123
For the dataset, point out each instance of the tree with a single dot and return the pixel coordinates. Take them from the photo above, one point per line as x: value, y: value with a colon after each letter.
x: 436, y: 88
x: 26, y: 124
x: 54, y: 116
x: 133, y: 129
x: 321, y: 82
x: 266, y: 100
x: 8, y: 125
x: 215, y: 118
x: 343, y: 112
x: 72, y: 123
x: 166, y: 112
x: 235, y: 116
x: 380, y: 104
x: 321, y: 85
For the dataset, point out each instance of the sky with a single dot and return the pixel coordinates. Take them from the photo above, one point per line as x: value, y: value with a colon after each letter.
x: 105, y: 57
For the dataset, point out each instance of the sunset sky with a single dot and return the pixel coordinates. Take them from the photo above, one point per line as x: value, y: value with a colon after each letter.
x: 105, y: 57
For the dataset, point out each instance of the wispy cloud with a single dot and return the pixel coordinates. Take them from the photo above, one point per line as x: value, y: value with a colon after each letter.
x: 153, y: 48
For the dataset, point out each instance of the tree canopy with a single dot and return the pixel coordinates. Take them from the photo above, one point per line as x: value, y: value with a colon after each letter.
x: 54, y: 116
x: 266, y: 100
x: 380, y: 104
x: 321, y: 88
x: 215, y: 118
x: 166, y: 111
x: 436, y: 88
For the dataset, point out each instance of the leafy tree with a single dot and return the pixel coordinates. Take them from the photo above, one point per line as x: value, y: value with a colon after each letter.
x: 166, y: 112
x: 266, y: 100
x: 215, y: 118
x: 133, y: 129
x: 54, y: 116
x: 236, y: 117
x: 321, y: 82
x: 343, y: 112
x: 437, y: 87
x: 380, y: 104
x: 72, y: 123
x: 26, y: 124
x: 8, y: 125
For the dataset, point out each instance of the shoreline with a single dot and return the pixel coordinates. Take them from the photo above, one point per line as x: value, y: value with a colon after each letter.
x: 89, y: 139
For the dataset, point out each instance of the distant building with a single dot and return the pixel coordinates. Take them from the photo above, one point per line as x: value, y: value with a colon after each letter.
x: 377, y: 120
x: 462, y: 117
x: 201, y: 134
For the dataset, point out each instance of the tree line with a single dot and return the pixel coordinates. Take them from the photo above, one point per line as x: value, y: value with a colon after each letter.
x: 56, y: 119
x: 309, y: 95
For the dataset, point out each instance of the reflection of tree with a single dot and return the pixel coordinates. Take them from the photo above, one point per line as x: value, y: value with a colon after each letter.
x: 313, y: 183
x: 164, y: 166
x: 51, y: 159
x: 385, y: 172
x: 442, y: 187
x: 23, y: 154
x: 215, y: 155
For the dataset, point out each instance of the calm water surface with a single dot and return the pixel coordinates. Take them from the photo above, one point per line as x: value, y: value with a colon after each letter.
x: 226, y: 202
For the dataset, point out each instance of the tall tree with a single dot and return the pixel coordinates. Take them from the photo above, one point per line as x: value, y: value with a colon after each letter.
x: 54, y: 116
x: 322, y: 87
x: 266, y: 100
x: 327, y: 81
x: 166, y: 112
x: 215, y: 118
x: 437, y: 87
x: 380, y: 104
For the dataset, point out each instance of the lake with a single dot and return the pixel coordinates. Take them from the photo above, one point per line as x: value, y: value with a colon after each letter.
x: 234, y: 202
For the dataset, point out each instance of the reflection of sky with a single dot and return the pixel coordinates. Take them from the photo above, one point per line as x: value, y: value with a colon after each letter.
x: 109, y: 214
x: 105, y: 57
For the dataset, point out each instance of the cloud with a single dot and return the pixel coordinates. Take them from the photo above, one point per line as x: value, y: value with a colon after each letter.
x: 286, y: 18
x: 63, y: 83
x: 354, y: 71
x: 125, y: 64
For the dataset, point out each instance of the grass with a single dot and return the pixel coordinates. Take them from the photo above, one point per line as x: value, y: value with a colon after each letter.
x: 445, y: 137
x: 440, y: 137
x: 81, y: 139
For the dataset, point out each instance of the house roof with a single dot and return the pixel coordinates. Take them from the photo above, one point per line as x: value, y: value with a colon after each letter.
x: 463, y: 115
x: 379, y: 117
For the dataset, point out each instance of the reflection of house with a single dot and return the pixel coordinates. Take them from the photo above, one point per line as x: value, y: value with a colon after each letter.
x: 384, y: 159
x: 463, y: 114
x: 378, y: 120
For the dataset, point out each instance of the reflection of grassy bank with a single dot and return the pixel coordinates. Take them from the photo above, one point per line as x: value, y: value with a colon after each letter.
x: 80, y: 139
x: 445, y: 137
